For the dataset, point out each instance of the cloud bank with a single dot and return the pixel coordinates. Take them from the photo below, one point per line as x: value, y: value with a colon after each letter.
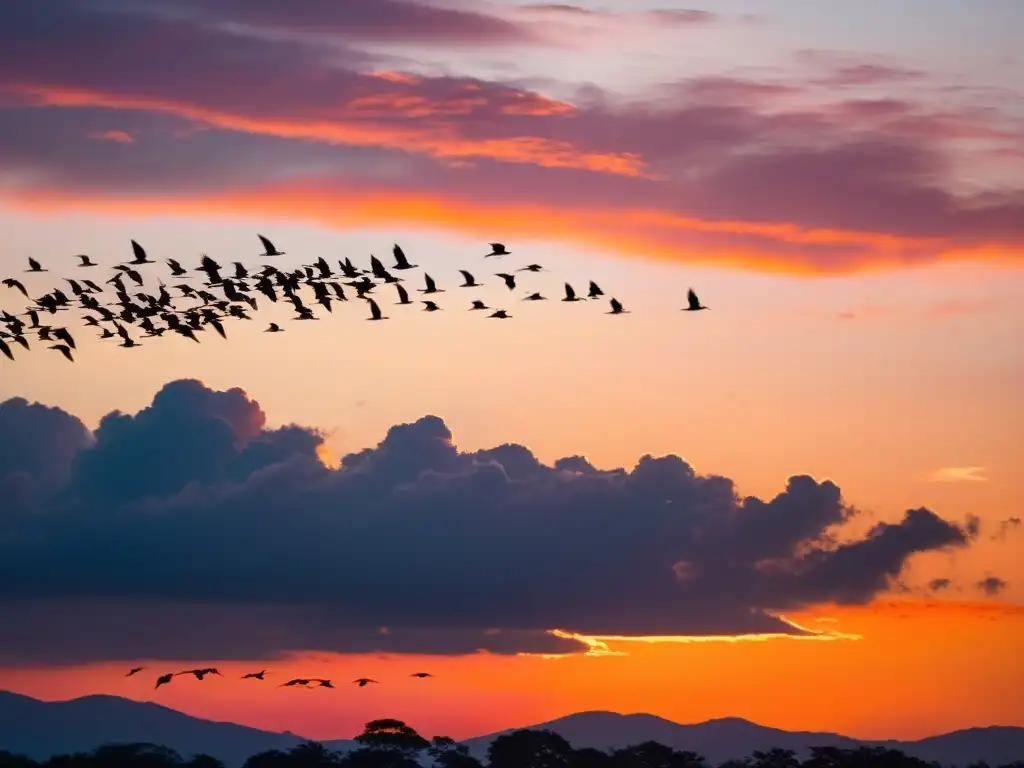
x: 191, y: 530
x: 304, y: 113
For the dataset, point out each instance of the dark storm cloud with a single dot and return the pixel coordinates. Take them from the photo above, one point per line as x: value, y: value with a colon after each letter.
x: 193, y: 505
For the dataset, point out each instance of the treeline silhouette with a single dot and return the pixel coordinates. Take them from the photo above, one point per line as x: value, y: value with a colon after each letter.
x: 393, y: 744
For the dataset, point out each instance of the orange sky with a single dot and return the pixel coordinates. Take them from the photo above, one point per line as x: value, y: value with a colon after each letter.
x: 847, y: 200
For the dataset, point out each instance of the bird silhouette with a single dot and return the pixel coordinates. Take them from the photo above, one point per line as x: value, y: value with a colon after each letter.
x: 501, y: 314
x: 134, y: 671
x: 5, y: 350
x: 274, y: 328
x: 403, y: 295
x: 199, y: 674
x: 497, y: 249
x: 375, y: 310
x: 470, y: 281
x: 534, y: 297
x: 324, y: 683
x: 10, y: 282
x: 65, y: 350
x: 401, y: 262
x: 35, y: 266
x: 532, y: 268
x: 477, y: 304
x: 617, y: 308
x: 254, y: 675
x: 140, y: 254
x: 86, y: 261
x: 269, y: 246
x: 362, y: 681
x: 296, y: 681
x: 510, y: 280
x: 421, y: 674
x: 693, y: 303
x: 164, y: 679
x: 431, y: 285
x: 431, y: 307
x: 570, y: 294
x: 595, y: 291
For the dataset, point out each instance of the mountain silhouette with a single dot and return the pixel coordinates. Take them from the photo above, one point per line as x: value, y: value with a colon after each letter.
x: 42, y: 729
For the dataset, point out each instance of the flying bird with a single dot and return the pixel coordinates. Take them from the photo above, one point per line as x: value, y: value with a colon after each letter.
x: 255, y: 675
x: 693, y: 303
x: 532, y: 268
x: 510, y: 280
x: 401, y: 262
x: 403, y: 295
x: 296, y: 681
x: 164, y: 679
x: 534, y: 297
x: 497, y: 249
x: 274, y: 328
x: 570, y: 294
x: 10, y: 282
x: 595, y: 291
x: 431, y: 307
x: 617, y: 308
x: 6, y: 350
x: 35, y: 266
x: 431, y: 285
x: 200, y: 673
x: 470, y: 280
x: 269, y: 246
x: 421, y: 674
x: 134, y: 671
x: 362, y: 681
x: 501, y: 314
x: 375, y: 313
x: 477, y: 304
x: 65, y: 350
x: 86, y: 261
x: 324, y: 683
x: 140, y: 254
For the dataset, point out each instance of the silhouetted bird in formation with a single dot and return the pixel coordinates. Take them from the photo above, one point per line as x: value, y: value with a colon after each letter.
x: 421, y: 674
x: 298, y: 682
x: 129, y: 301
x: 362, y: 681
x: 254, y: 675
x: 164, y: 679
x: 134, y: 671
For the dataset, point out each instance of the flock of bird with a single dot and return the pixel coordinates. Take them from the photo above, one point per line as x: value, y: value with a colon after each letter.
x: 297, y: 682
x: 156, y: 313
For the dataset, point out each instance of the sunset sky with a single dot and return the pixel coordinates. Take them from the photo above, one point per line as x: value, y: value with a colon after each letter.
x: 801, y: 507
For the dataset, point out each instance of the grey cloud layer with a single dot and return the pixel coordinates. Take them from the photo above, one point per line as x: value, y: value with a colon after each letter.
x: 192, y: 505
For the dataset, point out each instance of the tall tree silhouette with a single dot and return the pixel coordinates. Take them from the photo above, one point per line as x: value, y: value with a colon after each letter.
x: 530, y: 749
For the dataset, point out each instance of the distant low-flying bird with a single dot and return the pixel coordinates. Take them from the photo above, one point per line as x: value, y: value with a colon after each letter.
x: 534, y: 297
x: 176, y: 269
x: 431, y: 307
x: 477, y: 304
x: 324, y: 683
x: 10, y: 282
x: 200, y: 673
x: 497, y: 249
x: 65, y: 350
x: 296, y: 681
x: 63, y: 335
x: 470, y: 280
x: 510, y: 280
x: 269, y: 246
x: 617, y: 308
x: 274, y: 328
x: 140, y: 254
x: 86, y: 261
x: 134, y: 671
x: 164, y: 679
x: 255, y: 675
x: 35, y: 266
x: 595, y: 291
x: 401, y: 262
x: 501, y: 314
x: 375, y: 313
x: 421, y: 674
x: 570, y: 294
x: 362, y: 681
x: 531, y: 268
x: 693, y: 303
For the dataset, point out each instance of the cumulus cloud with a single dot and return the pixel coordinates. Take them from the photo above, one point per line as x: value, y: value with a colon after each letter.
x: 192, y: 509
x: 720, y: 166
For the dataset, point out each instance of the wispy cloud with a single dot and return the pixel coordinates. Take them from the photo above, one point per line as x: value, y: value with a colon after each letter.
x: 119, y: 137
x: 959, y: 475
